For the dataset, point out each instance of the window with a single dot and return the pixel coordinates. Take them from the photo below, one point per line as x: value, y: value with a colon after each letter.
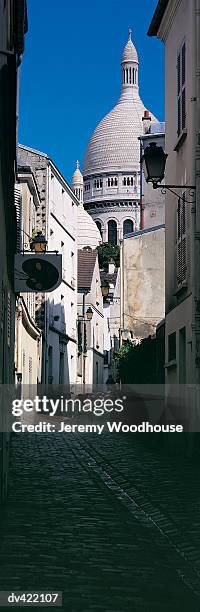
x: 128, y: 181
x: 105, y: 357
x: 99, y: 226
x: 181, y: 242
x: 181, y: 96
x: 61, y: 369
x: 30, y: 369
x: 112, y: 181
x: 97, y: 372
x: 98, y: 183
x: 172, y: 347
x: 50, y: 365
x: 18, y: 208
x: 72, y: 266
x: 128, y: 227
x: 112, y: 232
x: 182, y: 355
x: 87, y: 187
x: 8, y: 318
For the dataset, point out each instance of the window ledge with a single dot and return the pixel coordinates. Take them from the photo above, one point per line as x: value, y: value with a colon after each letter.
x: 181, y: 140
x: 171, y: 364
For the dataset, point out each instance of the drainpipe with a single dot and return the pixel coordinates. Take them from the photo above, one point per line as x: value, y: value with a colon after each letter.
x: 121, y: 292
x: 84, y: 336
x: 141, y: 189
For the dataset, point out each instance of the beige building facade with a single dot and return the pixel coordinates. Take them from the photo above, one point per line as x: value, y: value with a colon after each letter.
x: 177, y: 24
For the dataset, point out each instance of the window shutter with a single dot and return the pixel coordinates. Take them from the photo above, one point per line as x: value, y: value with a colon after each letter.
x: 181, y: 90
x: 179, y: 117
x: 184, y: 260
x: 179, y: 219
x: 8, y: 318
x: 179, y: 74
x: 183, y: 109
x: 181, y: 242
x: 18, y: 202
x: 30, y: 369
x: 188, y: 235
x: 183, y: 64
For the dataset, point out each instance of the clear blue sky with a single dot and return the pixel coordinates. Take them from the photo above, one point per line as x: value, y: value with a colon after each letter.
x: 71, y: 74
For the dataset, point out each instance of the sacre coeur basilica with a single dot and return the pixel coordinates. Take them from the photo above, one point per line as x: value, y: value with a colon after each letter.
x: 109, y: 185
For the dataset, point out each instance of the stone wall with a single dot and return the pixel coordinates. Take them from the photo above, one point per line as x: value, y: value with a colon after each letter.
x: 144, y: 282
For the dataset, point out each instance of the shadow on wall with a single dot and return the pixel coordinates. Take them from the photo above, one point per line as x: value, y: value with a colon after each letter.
x: 51, y: 319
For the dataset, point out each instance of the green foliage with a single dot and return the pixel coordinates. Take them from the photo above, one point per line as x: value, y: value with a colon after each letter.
x: 108, y: 251
x: 137, y: 364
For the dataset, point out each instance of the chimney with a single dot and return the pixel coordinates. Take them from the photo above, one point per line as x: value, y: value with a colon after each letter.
x: 146, y: 122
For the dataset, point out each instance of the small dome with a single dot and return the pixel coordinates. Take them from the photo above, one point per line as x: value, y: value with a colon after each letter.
x: 77, y: 178
x: 129, y: 54
x: 88, y: 233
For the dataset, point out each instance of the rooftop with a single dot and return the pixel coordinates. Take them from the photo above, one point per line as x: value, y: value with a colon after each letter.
x: 86, y: 264
x: 157, y: 17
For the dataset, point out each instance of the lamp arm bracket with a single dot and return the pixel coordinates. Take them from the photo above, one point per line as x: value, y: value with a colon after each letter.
x: 190, y: 188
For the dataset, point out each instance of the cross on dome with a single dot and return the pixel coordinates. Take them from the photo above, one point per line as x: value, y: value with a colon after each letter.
x: 129, y: 33
x: 77, y: 164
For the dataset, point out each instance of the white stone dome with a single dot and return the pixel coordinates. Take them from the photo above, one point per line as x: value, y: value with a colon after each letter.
x: 114, y: 144
x: 88, y: 233
x: 77, y: 178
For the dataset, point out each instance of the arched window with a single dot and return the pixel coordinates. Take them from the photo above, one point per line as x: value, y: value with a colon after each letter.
x: 112, y: 232
x: 99, y: 226
x: 128, y: 227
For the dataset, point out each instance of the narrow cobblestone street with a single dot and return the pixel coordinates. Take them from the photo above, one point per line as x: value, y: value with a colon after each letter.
x: 103, y: 519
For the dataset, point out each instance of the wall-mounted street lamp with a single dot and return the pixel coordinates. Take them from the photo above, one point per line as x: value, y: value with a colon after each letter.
x: 39, y: 243
x: 153, y: 164
x: 105, y: 287
x: 89, y: 313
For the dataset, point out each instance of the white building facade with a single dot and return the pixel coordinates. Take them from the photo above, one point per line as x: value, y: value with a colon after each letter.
x: 28, y: 337
x: 91, y: 336
x: 56, y: 312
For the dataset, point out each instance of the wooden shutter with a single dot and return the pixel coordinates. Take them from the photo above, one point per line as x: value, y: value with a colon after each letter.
x: 179, y: 93
x: 183, y: 64
x: 18, y: 206
x: 183, y: 110
x: 181, y: 242
x: 8, y: 318
x: 181, y: 90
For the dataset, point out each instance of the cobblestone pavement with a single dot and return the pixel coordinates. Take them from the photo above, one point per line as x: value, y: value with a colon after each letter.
x: 103, y: 519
